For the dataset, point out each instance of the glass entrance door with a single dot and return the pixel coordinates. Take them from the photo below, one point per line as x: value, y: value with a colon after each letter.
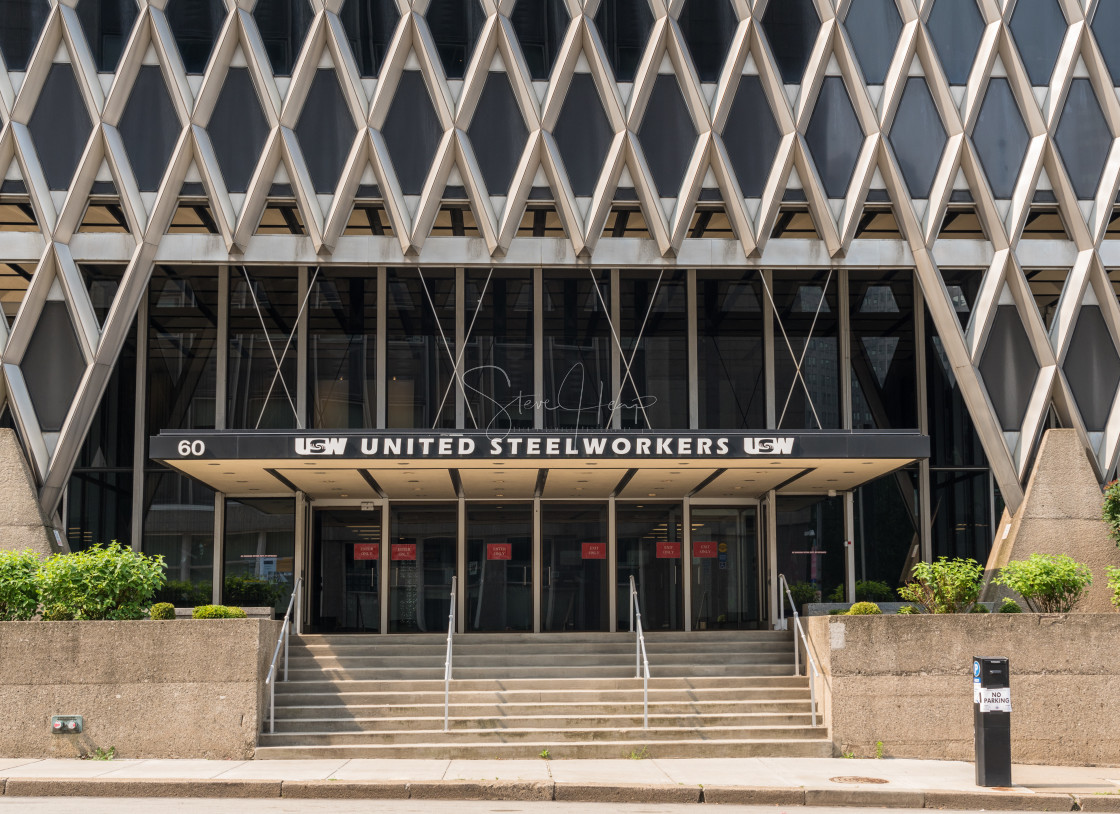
x: 499, y: 567
x: 422, y: 551
x: 347, y: 557
x: 650, y: 550
x: 725, y: 568
x: 575, y: 594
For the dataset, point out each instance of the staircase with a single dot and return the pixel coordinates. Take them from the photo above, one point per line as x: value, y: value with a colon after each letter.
x: 712, y: 694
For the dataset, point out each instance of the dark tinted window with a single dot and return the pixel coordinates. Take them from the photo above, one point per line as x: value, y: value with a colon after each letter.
x: 732, y: 366
x: 421, y: 356
x: 577, y: 346
x: 873, y: 27
x: 53, y: 365
x: 654, y: 340
x: 1083, y: 138
x: 1000, y: 138
x: 1038, y: 27
x: 834, y: 137
x: 412, y: 132
x: 708, y: 27
x: 498, y: 360
x: 238, y: 129
x: 956, y: 27
x: 60, y: 126
x: 540, y: 26
x: 583, y: 134
x: 667, y: 135
x: 1106, y: 27
x: 107, y: 24
x: 918, y: 137
x: 1092, y: 368
x: 149, y: 128
x: 342, y: 349
x: 497, y: 133
x: 884, y: 360
x: 369, y: 27
x: 455, y: 26
x: 283, y: 25
x: 195, y: 24
x: 791, y: 27
x: 624, y: 26
x: 1009, y: 368
x: 23, y: 20
x: 807, y: 317
x: 751, y: 136
x: 325, y: 131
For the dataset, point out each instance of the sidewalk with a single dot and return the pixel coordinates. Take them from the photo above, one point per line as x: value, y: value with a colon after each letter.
x: 774, y: 781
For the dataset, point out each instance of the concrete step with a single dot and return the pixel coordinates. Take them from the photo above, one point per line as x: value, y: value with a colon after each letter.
x: 621, y: 650
x: 818, y: 746
x: 514, y: 639
x: 355, y: 711
x: 517, y: 735
x: 464, y: 660
x: 586, y: 720
x: 592, y: 671
x: 628, y: 682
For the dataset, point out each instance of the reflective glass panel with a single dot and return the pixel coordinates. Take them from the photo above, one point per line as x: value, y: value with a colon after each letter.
x: 725, y: 574
x: 1009, y: 367
x: 53, y: 365
x: 953, y: 438
x: 60, y: 126
x: 730, y: 351
x: 835, y: 137
x: 1000, y: 137
x: 237, y: 129
x: 961, y: 510
x: 918, y: 137
x: 708, y: 27
x: 149, y: 128
x: 1083, y: 138
x: 791, y: 27
x: 887, y: 543
x: 497, y: 133
x: 667, y: 135
x: 498, y: 361
x: 412, y: 132
x: 956, y: 27
x: 325, y: 131
x: 1092, y: 367
x: 654, y: 340
x: 751, y: 136
x: 283, y: 24
x: 808, y: 313
x: 540, y: 26
x: 342, y: 348
x: 263, y: 307
x: 369, y: 26
x: 179, y: 524
x: 583, y: 134
x: 810, y: 548
x: 1038, y: 27
x: 873, y: 27
x: 455, y: 26
x: 884, y: 361
x: 577, y: 345
x: 624, y: 26
x: 421, y: 354
x: 347, y: 594
x: 23, y: 20
x: 195, y: 24
x: 259, y: 547
x: 574, y: 587
x: 107, y: 24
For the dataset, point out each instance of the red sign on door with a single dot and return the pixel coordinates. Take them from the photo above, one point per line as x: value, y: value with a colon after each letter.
x: 366, y: 551
x: 704, y: 548
x: 594, y: 551
x: 499, y: 551
x: 668, y: 551
x: 403, y: 551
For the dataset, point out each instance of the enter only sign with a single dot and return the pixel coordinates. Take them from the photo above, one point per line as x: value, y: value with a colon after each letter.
x: 995, y: 700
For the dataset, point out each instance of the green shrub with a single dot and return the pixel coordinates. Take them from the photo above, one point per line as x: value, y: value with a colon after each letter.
x: 803, y: 593
x: 908, y: 610
x: 867, y: 590
x: 945, y: 586
x: 1110, y: 510
x: 184, y: 594
x: 1049, y: 583
x: 1009, y: 605
x: 837, y: 612
x: 253, y: 592
x: 1114, y: 585
x: 864, y: 609
x: 979, y: 608
x: 217, y: 612
x: 162, y: 611
x: 111, y: 582
x: 19, y: 593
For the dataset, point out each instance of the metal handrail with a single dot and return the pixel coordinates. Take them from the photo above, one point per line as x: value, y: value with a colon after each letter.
x: 285, y: 635
x: 447, y: 659
x: 783, y: 625
x: 640, y: 659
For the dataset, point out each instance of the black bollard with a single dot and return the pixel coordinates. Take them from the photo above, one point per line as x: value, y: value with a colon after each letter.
x: 991, y: 710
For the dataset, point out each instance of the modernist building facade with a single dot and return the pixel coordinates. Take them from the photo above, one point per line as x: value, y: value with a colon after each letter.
x: 545, y: 295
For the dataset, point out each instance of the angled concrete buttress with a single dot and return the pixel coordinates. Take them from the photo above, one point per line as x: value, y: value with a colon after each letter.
x: 21, y: 520
x: 1061, y: 514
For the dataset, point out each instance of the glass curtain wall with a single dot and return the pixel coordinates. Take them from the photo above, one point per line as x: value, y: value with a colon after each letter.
x: 422, y: 557
x: 887, y: 543
x: 182, y: 364
x: 730, y: 350
x: 574, y: 589
x: 654, y: 340
x: 499, y: 578
x: 807, y: 350
x: 259, y: 552
x: 810, y: 545
x: 498, y: 359
x: 263, y: 309
x: 421, y: 349
x: 577, y: 350
x: 650, y: 550
x: 342, y: 349
x: 884, y: 358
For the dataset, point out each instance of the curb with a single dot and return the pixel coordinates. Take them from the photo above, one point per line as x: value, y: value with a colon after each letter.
x: 537, y: 790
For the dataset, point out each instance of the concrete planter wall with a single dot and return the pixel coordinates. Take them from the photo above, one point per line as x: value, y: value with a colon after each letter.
x: 907, y: 681
x: 149, y: 689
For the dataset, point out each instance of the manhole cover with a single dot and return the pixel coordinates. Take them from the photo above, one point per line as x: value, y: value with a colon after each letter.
x: 858, y: 780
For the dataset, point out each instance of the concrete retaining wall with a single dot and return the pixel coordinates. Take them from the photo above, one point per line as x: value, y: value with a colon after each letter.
x: 907, y: 681
x: 149, y: 689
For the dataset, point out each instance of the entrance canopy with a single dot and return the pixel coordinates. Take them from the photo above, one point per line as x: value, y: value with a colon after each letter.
x: 521, y: 465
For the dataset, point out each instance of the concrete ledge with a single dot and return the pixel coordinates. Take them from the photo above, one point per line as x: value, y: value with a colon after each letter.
x: 1098, y: 802
x: 109, y: 787
x: 754, y: 796
x: 480, y: 790
x: 995, y: 801
x: 345, y: 790
x: 625, y: 793
x: 869, y: 798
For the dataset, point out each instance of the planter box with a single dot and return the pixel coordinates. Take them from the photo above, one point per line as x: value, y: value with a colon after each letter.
x: 907, y: 681
x: 149, y: 689
x: 826, y: 608
x: 252, y: 613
